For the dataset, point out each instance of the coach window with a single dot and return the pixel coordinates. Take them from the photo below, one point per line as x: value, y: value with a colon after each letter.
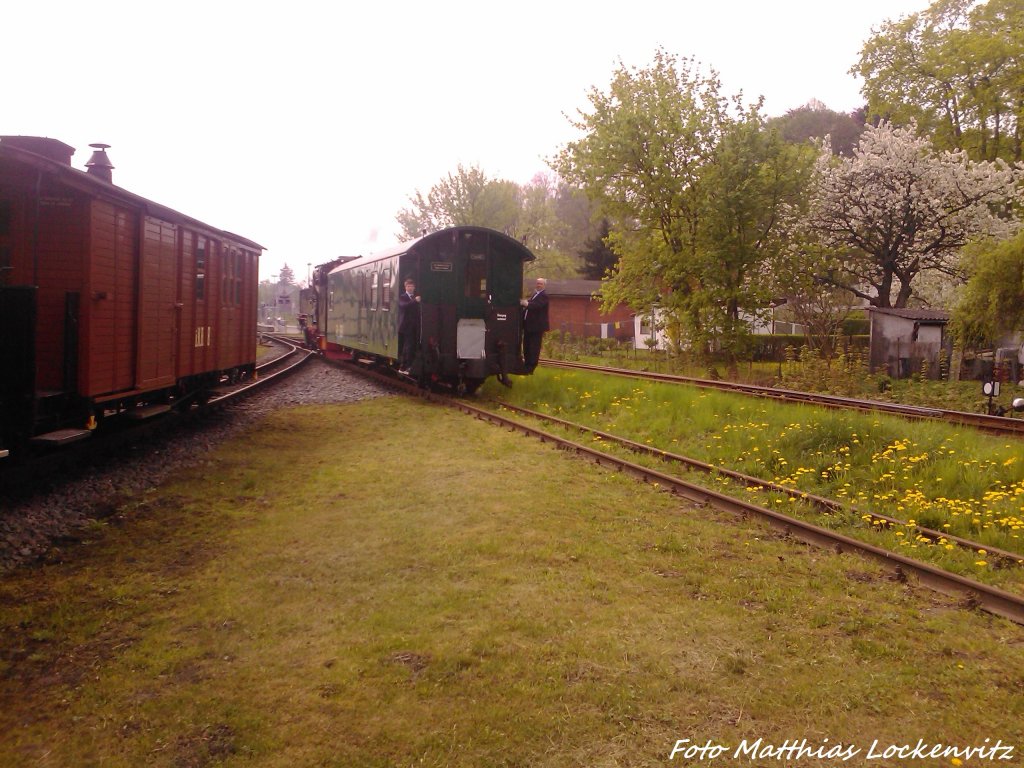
x: 506, y: 273
x: 374, y: 289
x: 475, y: 286
x: 385, y: 290
x: 201, y: 268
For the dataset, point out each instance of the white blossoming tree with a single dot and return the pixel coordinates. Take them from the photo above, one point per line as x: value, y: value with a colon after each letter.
x: 898, y: 209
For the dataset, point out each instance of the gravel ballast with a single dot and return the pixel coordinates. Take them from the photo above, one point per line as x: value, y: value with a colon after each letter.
x: 32, y: 527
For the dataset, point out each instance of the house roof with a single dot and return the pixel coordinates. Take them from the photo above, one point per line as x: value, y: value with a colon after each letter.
x: 937, y: 316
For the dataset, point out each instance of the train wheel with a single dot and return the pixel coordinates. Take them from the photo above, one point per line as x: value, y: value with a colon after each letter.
x: 468, y: 386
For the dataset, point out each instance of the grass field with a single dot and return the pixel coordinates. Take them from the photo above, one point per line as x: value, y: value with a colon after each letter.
x: 394, y: 584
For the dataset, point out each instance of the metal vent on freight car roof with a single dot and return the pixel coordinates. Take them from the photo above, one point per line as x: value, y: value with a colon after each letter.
x: 99, y: 164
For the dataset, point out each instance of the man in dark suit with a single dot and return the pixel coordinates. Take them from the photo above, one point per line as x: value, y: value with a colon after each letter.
x: 535, y: 323
x: 408, y: 325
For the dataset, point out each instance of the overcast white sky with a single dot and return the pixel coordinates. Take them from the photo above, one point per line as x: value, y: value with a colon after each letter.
x: 306, y: 125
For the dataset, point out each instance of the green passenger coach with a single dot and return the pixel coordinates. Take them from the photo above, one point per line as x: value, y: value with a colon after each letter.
x: 469, y: 282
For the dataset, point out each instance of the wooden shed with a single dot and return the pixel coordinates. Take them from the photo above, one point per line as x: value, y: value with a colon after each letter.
x: 908, y: 341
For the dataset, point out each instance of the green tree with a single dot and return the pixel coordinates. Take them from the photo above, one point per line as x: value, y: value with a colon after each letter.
x: 286, y: 276
x: 815, y: 121
x: 552, y: 218
x: 693, y: 186
x: 754, y: 178
x: 575, y: 213
x: 813, y: 301
x: 598, y: 257
x: 957, y: 70
x: 540, y: 229
x: 466, y: 198
x: 646, y: 144
x: 992, y: 302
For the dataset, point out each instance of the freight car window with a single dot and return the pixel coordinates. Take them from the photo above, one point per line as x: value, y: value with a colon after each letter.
x: 225, y: 279
x: 231, y: 283
x: 201, y: 269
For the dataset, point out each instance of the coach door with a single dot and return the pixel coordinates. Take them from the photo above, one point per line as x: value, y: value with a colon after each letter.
x: 504, y: 320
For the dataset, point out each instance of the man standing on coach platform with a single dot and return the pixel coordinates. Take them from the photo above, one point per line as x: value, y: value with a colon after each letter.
x: 535, y: 323
x: 408, y: 326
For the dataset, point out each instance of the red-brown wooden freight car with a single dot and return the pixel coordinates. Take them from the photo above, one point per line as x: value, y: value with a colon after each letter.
x: 109, y: 302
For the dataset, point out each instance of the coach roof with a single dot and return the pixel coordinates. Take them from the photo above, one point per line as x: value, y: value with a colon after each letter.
x: 411, y: 245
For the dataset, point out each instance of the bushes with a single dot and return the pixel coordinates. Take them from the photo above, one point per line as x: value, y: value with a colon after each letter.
x: 846, y: 374
x: 773, y: 348
x: 565, y: 346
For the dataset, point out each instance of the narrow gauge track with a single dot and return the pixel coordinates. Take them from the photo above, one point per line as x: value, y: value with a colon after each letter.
x: 972, y: 594
x: 267, y: 372
x: 51, y: 465
x: 999, y: 425
x: 822, y: 503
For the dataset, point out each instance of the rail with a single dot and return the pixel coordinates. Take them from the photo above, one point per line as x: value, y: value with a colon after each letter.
x: 994, y: 424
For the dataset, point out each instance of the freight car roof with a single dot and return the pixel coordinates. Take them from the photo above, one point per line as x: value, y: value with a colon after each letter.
x: 15, y: 149
x: 409, y: 245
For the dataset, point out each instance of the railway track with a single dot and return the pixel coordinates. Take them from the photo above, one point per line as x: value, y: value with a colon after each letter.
x: 51, y: 466
x: 970, y: 593
x: 820, y: 503
x: 1000, y: 425
x: 267, y: 372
